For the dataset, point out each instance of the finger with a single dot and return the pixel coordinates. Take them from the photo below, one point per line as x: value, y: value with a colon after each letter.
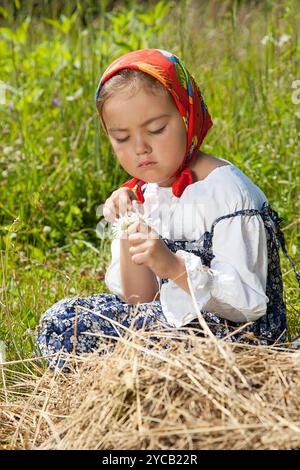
x: 133, y: 228
x: 109, y: 213
x: 153, y: 234
x: 144, y: 229
x: 121, y: 201
x: 133, y: 195
x: 139, y: 259
x: 123, y: 204
x: 135, y: 239
x: 141, y: 228
x: 138, y: 207
x: 139, y: 243
x: 133, y: 250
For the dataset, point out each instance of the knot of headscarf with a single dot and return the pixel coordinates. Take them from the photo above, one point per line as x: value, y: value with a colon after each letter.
x: 171, y: 72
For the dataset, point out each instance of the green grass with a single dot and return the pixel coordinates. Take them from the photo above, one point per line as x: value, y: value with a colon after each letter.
x: 56, y: 166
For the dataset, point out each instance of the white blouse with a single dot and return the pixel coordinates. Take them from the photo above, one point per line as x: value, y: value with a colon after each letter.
x: 234, y: 288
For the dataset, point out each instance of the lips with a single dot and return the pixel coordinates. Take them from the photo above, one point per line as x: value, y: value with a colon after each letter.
x: 147, y: 163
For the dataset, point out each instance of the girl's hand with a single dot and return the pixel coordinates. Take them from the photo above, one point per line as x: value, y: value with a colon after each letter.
x: 119, y: 203
x: 146, y: 248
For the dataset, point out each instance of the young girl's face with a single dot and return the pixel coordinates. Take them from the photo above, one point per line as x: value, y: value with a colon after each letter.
x: 146, y: 127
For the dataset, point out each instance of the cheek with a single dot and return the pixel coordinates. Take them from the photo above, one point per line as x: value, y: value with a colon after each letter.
x: 177, y: 139
x: 119, y: 151
x: 123, y: 156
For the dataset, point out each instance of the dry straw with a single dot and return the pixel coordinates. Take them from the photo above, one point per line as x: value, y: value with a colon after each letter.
x: 161, y: 389
x: 182, y: 392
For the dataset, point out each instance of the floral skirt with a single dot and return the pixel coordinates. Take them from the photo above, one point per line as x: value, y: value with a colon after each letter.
x: 76, y: 324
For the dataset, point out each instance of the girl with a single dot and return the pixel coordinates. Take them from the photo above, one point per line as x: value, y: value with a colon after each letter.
x: 205, y: 224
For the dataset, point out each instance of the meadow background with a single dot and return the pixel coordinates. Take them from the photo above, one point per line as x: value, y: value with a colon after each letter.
x: 56, y: 165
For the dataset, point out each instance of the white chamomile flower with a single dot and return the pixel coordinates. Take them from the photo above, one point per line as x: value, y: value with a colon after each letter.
x: 283, y: 39
x: 122, y: 223
x: 264, y: 40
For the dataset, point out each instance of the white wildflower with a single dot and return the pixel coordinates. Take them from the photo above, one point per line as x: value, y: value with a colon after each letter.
x: 77, y: 94
x: 280, y: 42
x: 264, y: 40
x: 283, y: 39
x: 7, y: 150
x: 122, y: 223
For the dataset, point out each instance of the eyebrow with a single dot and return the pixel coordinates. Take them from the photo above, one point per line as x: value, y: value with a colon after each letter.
x: 114, y: 129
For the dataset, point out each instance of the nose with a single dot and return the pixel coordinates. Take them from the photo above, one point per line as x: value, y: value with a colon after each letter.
x: 141, y: 145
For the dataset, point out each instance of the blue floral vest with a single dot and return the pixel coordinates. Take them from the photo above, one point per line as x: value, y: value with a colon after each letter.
x: 271, y: 327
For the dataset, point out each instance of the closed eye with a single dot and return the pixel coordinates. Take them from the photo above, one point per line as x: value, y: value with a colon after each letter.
x: 159, y: 131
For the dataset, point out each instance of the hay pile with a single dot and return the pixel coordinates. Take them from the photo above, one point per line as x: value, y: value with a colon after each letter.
x: 199, y: 394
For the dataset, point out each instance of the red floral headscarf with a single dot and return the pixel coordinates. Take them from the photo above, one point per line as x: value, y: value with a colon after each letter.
x: 171, y: 72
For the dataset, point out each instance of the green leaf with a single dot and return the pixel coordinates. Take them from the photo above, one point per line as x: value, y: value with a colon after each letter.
x: 3, y: 12
x: 7, y: 33
x: 73, y: 217
x: 64, y: 24
x: 22, y: 31
x: 36, y: 253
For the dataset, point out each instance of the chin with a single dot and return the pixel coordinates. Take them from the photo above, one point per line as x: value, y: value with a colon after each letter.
x: 147, y: 178
x: 167, y: 182
x: 158, y: 181
x: 162, y: 181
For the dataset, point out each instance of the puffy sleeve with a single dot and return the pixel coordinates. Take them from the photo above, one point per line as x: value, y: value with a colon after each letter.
x: 234, y: 286
x: 112, y: 275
